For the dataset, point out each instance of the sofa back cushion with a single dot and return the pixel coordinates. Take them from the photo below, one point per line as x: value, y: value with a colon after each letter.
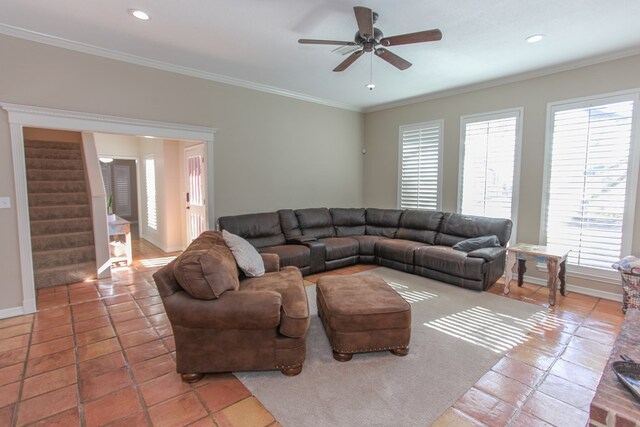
x: 207, y: 268
x: 457, y: 227
x: 259, y: 229
x: 315, y: 222
x: 289, y: 223
x: 382, y: 222
x: 419, y: 225
x: 349, y: 222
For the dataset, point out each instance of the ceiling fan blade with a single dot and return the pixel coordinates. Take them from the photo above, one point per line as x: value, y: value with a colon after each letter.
x: 364, y: 17
x: 350, y: 60
x: 419, y: 37
x: 393, y: 59
x: 332, y: 42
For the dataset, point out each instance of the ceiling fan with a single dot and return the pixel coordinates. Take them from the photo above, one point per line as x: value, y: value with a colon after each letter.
x: 369, y: 38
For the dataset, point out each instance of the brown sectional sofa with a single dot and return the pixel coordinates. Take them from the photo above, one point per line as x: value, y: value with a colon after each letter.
x: 415, y: 241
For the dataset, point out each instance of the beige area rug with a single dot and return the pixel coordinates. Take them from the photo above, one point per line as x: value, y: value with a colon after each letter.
x: 457, y: 336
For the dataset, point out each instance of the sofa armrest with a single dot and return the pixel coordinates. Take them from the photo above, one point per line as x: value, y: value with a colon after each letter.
x: 489, y: 254
x: 271, y: 262
x: 233, y: 310
x: 300, y: 240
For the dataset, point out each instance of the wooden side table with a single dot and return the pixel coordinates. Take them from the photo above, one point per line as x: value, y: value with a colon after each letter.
x: 120, y: 242
x: 556, y: 265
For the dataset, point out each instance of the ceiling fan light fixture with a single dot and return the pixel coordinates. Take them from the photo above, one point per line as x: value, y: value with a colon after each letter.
x: 534, y: 38
x: 371, y: 86
x: 140, y: 14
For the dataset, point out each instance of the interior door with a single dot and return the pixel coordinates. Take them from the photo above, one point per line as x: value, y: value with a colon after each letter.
x: 195, y: 185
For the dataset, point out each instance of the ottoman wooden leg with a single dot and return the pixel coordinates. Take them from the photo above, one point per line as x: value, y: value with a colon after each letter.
x: 291, y: 372
x: 400, y: 351
x: 342, y: 357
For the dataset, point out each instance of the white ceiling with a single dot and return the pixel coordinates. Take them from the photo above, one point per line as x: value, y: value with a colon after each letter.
x: 253, y: 43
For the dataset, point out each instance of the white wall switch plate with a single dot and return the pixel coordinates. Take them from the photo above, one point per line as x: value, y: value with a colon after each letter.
x: 5, y: 203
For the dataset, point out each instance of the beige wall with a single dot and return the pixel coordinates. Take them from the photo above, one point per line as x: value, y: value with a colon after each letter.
x: 270, y: 152
x: 381, y: 137
x: 125, y: 146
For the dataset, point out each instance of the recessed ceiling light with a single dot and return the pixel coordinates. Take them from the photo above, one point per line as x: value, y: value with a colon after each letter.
x: 534, y: 38
x: 139, y: 14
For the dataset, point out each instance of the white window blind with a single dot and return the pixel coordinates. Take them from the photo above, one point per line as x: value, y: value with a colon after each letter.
x: 150, y: 186
x: 420, y: 166
x: 589, y: 172
x: 488, y: 174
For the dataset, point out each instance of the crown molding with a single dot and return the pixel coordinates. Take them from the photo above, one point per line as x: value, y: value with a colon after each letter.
x: 164, y: 66
x: 507, y: 80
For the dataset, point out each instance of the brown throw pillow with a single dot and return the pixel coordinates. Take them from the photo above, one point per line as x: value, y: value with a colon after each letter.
x: 207, y: 273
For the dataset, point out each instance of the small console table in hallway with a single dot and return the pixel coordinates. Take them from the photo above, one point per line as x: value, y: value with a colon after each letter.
x: 556, y: 260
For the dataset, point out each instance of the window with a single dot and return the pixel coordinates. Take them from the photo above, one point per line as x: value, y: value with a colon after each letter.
x: 150, y: 185
x: 420, y: 166
x: 490, y: 160
x: 591, y: 171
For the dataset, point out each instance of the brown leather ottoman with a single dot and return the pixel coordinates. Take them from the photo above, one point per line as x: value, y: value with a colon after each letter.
x: 361, y: 314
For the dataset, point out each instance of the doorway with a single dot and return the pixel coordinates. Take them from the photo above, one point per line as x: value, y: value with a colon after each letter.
x: 20, y: 116
x: 120, y: 185
x: 196, y: 189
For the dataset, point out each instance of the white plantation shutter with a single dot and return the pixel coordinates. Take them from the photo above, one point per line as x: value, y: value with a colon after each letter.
x: 590, y: 170
x: 420, y: 166
x: 150, y: 186
x: 488, y: 173
x: 122, y: 183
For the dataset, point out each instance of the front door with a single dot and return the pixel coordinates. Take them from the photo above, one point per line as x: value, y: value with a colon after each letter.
x: 196, y: 189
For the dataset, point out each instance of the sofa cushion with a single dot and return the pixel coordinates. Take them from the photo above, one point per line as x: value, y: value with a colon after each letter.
x: 295, y: 255
x: 448, y: 260
x: 315, y: 222
x: 349, y: 221
x: 289, y: 223
x: 259, y: 229
x: 397, y: 250
x: 294, y: 312
x: 207, y: 268
x: 367, y: 244
x: 474, y: 243
x: 247, y: 257
x: 457, y: 227
x: 382, y: 222
x: 419, y: 225
x: 340, y: 247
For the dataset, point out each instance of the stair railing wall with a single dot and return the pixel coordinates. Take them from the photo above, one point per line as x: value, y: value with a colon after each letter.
x: 98, y: 205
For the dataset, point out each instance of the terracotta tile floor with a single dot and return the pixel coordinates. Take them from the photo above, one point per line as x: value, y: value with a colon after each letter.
x: 102, y: 353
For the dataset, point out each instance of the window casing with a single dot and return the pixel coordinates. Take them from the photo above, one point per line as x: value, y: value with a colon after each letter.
x: 420, y: 166
x: 591, y: 171
x: 490, y: 164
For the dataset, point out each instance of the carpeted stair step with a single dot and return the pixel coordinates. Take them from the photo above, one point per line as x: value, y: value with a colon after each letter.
x: 58, y: 226
x: 64, y: 275
x: 56, y: 187
x: 52, y: 153
x: 57, y: 145
x: 60, y: 257
x: 61, y: 241
x: 57, y: 199
x: 54, y: 164
x: 54, y: 175
x: 39, y: 213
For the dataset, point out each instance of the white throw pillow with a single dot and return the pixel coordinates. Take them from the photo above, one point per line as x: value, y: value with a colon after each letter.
x: 247, y: 257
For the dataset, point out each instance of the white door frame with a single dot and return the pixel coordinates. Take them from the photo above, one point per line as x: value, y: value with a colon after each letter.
x: 185, y: 150
x: 25, y: 115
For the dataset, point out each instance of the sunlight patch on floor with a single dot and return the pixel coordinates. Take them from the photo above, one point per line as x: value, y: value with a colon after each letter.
x: 157, y: 262
x: 409, y: 295
x: 485, y: 328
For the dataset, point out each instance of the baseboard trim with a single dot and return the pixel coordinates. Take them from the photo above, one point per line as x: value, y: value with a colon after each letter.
x: 578, y: 289
x: 11, y: 312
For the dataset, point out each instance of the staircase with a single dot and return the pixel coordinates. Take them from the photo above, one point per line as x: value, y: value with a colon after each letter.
x: 60, y: 216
